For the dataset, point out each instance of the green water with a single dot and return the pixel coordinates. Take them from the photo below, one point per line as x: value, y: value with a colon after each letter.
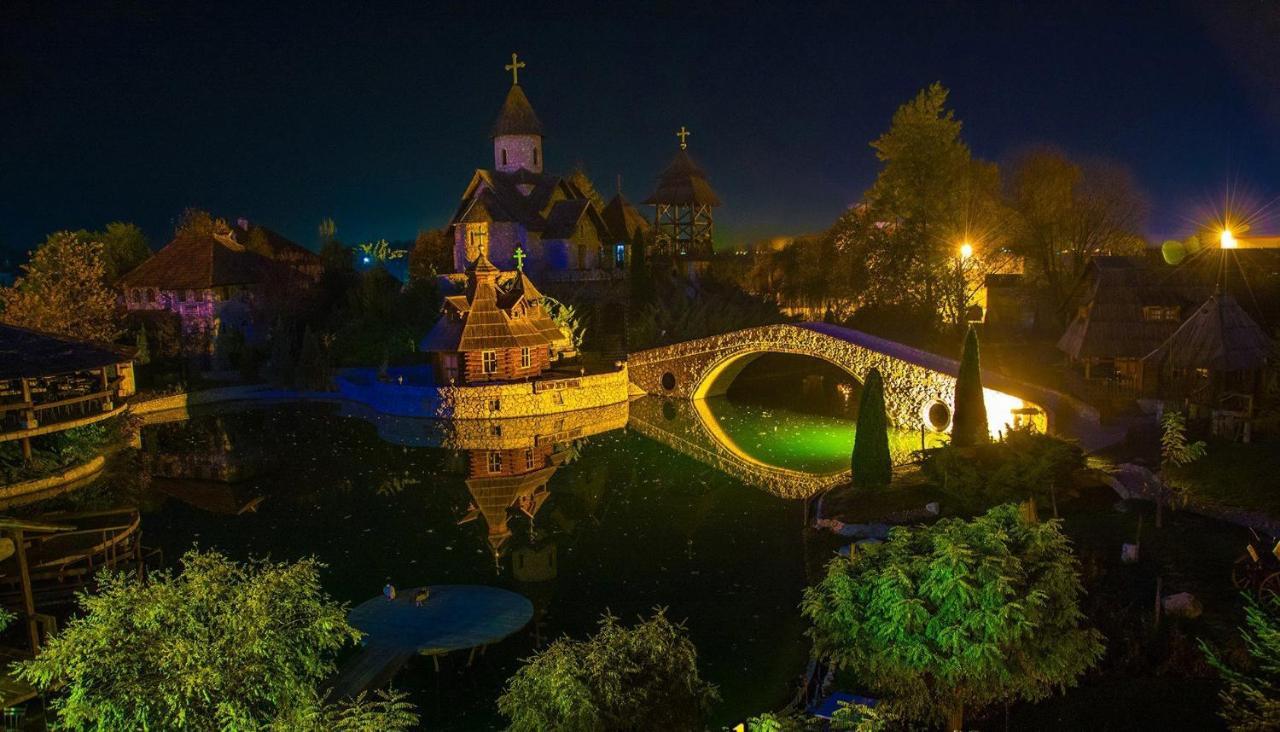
x: 631, y: 524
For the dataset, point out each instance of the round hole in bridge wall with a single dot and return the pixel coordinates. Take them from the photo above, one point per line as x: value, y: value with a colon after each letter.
x: 937, y: 415
x: 668, y: 381
x: 669, y: 411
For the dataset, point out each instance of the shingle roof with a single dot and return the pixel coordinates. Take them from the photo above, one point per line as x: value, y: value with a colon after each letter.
x: 501, y: 197
x: 623, y: 220
x: 29, y: 353
x: 516, y: 116
x: 1219, y: 336
x: 1112, y: 324
x: 483, y: 323
x: 684, y: 183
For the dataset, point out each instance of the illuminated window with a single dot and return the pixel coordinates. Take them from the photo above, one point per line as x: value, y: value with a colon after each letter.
x: 619, y: 255
x: 490, y: 361
x: 1157, y: 313
x: 528, y: 458
x: 495, y: 462
x: 525, y: 360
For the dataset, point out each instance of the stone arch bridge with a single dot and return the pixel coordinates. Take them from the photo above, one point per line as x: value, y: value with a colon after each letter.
x: 914, y: 379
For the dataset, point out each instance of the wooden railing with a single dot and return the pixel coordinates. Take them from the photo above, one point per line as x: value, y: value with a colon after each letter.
x: 30, y: 415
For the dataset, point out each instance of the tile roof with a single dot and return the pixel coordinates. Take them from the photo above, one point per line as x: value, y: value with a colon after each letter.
x: 199, y: 261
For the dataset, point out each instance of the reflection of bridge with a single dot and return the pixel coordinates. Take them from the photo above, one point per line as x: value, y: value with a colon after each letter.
x: 913, y: 379
x: 689, y: 428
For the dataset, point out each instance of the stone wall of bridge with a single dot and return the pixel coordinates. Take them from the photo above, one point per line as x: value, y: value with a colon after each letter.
x: 913, y: 379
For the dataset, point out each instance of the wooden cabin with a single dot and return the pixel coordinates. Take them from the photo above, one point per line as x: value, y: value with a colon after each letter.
x: 498, y: 330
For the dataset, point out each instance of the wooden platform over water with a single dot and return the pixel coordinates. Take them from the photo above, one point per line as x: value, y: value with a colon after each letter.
x: 454, y: 618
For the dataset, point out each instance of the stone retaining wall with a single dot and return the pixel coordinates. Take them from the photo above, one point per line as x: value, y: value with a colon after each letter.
x: 74, y: 473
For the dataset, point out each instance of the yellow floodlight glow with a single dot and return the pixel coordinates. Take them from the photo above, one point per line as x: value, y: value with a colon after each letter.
x: 1227, y: 239
x: 966, y: 250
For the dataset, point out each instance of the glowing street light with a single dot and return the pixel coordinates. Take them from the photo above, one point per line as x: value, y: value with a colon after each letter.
x: 1227, y: 239
x: 966, y: 250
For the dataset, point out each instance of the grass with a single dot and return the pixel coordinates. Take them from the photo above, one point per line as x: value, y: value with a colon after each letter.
x: 1238, y: 475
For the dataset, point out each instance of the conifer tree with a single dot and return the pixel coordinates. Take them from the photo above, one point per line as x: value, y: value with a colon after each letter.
x: 957, y: 616
x: 142, y: 349
x: 1251, y: 693
x: 872, y: 464
x: 969, y: 425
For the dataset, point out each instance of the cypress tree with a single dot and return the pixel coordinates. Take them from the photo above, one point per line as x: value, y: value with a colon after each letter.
x: 969, y: 425
x: 872, y: 465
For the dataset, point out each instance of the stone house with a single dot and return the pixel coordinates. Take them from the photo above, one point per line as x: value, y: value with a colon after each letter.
x: 209, y: 280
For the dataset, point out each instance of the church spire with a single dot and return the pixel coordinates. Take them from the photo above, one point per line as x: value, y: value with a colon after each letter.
x: 517, y: 133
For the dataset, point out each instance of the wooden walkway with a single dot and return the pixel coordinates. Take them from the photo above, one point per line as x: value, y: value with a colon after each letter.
x: 454, y: 617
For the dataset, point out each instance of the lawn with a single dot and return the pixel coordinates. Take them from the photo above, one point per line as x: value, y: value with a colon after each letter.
x: 1238, y: 475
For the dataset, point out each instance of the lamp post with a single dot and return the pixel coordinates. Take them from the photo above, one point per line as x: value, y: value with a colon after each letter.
x: 963, y: 253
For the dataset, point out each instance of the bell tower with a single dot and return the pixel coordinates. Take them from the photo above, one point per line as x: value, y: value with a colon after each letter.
x: 517, y: 133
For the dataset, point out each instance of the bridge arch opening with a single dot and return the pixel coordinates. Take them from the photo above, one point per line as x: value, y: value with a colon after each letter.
x: 800, y: 382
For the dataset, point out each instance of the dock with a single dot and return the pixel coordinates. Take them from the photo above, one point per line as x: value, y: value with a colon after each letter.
x: 454, y: 618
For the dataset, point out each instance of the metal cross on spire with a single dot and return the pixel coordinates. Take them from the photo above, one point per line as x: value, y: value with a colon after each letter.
x: 683, y: 134
x: 519, y: 257
x: 514, y: 67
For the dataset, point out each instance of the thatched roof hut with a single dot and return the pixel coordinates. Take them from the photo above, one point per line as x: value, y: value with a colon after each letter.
x: 1218, y: 336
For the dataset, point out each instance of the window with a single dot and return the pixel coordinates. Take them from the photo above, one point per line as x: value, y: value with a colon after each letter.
x: 525, y: 360
x: 495, y: 430
x: 619, y: 255
x: 528, y: 458
x: 535, y: 155
x: 490, y: 361
x: 479, y: 239
x: 495, y: 462
x: 1157, y: 313
x: 495, y: 405
x: 558, y: 399
x: 182, y: 296
x: 504, y: 156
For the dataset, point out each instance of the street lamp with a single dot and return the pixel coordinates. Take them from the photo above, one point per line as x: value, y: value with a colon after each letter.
x: 966, y: 250
x: 1227, y: 239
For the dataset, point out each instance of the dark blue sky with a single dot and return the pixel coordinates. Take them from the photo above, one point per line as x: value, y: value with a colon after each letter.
x: 376, y: 113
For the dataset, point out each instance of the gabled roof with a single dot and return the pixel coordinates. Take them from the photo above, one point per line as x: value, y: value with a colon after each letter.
x: 200, y: 261
x: 1219, y: 336
x: 516, y: 116
x: 499, y: 194
x: 563, y: 218
x: 1112, y: 292
x: 29, y: 353
x: 623, y: 220
x: 281, y: 247
x: 684, y: 183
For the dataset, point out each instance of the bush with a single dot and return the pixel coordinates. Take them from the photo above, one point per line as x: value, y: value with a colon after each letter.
x: 1026, y: 464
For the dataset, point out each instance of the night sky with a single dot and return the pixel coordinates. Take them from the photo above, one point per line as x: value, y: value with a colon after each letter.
x: 377, y: 116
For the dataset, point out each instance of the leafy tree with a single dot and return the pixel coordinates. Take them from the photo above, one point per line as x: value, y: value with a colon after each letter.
x: 1251, y: 695
x: 1065, y: 213
x: 642, y: 677
x: 958, y: 615
x: 326, y: 232
x: 566, y: 316
x: 220, y: 645
x: 969, y: 424
x: 872, y: 464
x: 432, y: 254
x: 124, y: 247
x: 63, y: 290
x: 1176, y: 452
x: 680, y: 312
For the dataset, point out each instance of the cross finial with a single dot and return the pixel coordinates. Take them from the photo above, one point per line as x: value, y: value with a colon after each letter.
x: 514, y: 67
x: 519, y: 257
x: 683, y: 134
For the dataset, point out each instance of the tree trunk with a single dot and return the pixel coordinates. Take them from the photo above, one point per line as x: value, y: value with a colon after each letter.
x: 955, y: 718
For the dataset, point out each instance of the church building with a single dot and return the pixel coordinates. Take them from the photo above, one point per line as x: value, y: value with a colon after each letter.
x: 516, y: 206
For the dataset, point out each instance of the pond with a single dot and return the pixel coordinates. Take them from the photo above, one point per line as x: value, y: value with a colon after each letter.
x: 577, y: 512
